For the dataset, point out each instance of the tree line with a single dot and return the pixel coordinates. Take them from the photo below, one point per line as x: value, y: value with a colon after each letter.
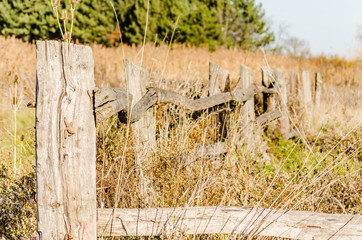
x: 213, y: 23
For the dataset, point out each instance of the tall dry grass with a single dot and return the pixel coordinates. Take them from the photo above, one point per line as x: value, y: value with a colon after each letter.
x: 318, y: 172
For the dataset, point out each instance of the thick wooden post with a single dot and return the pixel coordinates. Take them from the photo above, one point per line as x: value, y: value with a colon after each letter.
x: 65, y: 142
x: 268, y: 82
x: 307, y: 93
x: 144, y: 131
x: 219, y: 82
x: 282, y: 100
x: 219, y: 79
x: 294, y: 88
x: 318, y: 90
x: 247, y: 111
x: 137, y: 82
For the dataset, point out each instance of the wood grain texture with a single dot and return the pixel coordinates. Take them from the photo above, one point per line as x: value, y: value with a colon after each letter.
x: 231, y: 220
x: 65, y: 141
x: 154, y: 96
x: 110, y: 101
x: 143, y: 130
x: 282, y: 102
x: 219, y: 82
x: 219, y: 79
x: 247, y: 111
x: 294, y: 94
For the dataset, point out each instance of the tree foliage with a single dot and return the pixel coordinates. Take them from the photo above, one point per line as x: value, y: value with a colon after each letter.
x: 199, y: 22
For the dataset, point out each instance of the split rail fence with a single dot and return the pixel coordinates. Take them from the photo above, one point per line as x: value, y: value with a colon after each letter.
x: 68, y: 105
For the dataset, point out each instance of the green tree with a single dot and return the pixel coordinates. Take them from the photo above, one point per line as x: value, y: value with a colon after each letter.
x: 244, y: 24
x: 210, y: 22
x: 34, y: 19
x: 94, y: 22
x: 161, y: 19
x: 201, y: 25
x: 28, y: 19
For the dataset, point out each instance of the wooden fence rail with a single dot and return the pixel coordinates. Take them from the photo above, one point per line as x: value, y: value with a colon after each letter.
x: 228, y: 220
x: 67, y: 108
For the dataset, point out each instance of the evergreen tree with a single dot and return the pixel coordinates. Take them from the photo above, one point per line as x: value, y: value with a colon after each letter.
x: 94, y: 22
x: 244, y: 24
x: 34, y: 19
x: 27, y: 19
x: 210, y: 22
x: 161, y: 19
x: 201, y: 25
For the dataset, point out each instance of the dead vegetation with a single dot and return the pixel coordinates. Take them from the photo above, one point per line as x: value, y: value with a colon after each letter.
x: 318, y: 172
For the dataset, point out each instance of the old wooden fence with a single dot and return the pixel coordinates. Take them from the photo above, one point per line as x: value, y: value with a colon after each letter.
x: 68, y: 105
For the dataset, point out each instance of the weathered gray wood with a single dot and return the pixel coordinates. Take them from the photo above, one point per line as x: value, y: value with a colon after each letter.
x: 219, y: 79
x: 268, y: 117
x: 110, y: 101
x: 219, y: 82
x: 282, y: 101
x: 294, y: 89
x: 247, y: 111
x: 307, y: 93
x: 65, y: 142
x: 137, y: 82
x: 268, y: 81
x: 144, y: 130
x: 231, y: 220
x: 318, y: 90
x: 159, y: 96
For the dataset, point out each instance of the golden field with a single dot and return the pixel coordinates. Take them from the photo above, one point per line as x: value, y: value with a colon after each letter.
x: 319, y: 171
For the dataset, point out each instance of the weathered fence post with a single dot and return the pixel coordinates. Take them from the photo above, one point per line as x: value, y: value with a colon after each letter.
x: 247, y: 111
x: 294, y: 89
x: 269, y: 100
x: 65, y: 142
x: 268, y: 82
x: 307, y: 93
x: 317, y: 89
x: 219, y: 79
x: 219, y: 82
x: 143, y: 131
x: 282, y: 99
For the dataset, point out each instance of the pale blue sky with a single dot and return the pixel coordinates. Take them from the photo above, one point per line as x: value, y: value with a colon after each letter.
x: 330, y: 26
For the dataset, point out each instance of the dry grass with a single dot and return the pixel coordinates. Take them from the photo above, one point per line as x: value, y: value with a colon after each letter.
x: 319, y: 172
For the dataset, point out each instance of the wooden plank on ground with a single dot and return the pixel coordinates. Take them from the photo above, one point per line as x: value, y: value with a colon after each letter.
x: 230, y: 220
x: 65, y: 141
